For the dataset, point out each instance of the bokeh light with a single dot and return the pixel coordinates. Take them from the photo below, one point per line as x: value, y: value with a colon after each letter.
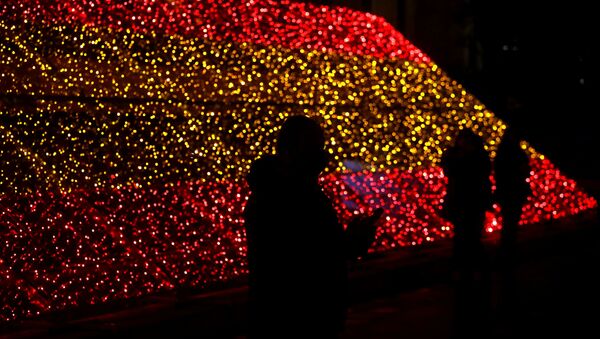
x: 127, y: 128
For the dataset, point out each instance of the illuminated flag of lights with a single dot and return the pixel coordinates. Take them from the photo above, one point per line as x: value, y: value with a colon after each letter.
x: 127, y: 128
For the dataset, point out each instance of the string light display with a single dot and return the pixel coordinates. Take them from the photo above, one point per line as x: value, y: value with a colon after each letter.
x: 283, y: 23
x: 385, y: 99
x: 127, y: 128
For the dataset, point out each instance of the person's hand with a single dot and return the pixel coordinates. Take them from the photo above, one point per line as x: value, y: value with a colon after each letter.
x: 361, y: 230
x: 363, y: 223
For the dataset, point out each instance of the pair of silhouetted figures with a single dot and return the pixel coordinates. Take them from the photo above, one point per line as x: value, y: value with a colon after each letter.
x: 468, y: 169
x: 298, y: 250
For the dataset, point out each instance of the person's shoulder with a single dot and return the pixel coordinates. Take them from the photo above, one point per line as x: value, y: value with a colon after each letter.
x: 264, y: 163
x: 262, y: 170
x: 448, y: 155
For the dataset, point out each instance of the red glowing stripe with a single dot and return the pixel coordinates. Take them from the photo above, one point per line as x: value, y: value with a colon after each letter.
x: 92, y: 246
x: 284, y: 23
x: 192, y: 234
x: 554, y: 195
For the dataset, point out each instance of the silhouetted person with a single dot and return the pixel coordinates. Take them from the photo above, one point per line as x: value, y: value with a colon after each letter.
x: 297, y: 249
x: 512, y: 170
x: 467, y: 167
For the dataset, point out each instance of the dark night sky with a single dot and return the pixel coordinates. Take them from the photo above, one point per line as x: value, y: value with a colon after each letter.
x: 538, y: 62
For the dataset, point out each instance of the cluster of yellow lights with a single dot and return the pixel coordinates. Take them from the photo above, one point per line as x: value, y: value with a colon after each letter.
x: 153, y: 108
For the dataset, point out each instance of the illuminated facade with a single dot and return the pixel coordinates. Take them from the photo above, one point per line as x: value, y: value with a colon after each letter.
x: 127, y: 128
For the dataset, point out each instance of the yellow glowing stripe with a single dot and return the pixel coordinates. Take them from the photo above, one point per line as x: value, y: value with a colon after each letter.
x: 387, y: 113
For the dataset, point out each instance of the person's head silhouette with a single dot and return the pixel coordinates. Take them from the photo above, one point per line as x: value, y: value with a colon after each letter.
x: 301, y: 145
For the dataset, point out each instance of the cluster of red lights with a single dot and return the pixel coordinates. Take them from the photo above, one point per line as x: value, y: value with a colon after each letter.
x: 553, y: 195
x: 88, y: 246
x: 283, y: 23
x: 411, y: 199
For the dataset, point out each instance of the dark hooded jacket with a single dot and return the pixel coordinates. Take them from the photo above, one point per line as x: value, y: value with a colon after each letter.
x: 296, y: 252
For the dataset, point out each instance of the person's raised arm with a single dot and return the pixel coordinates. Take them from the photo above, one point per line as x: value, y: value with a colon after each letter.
x: 360, y: 234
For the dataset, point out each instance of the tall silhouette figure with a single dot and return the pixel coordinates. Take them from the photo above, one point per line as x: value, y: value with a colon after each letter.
x: 467, y: 167
x: 511, y: 167
x: 297, y: 248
